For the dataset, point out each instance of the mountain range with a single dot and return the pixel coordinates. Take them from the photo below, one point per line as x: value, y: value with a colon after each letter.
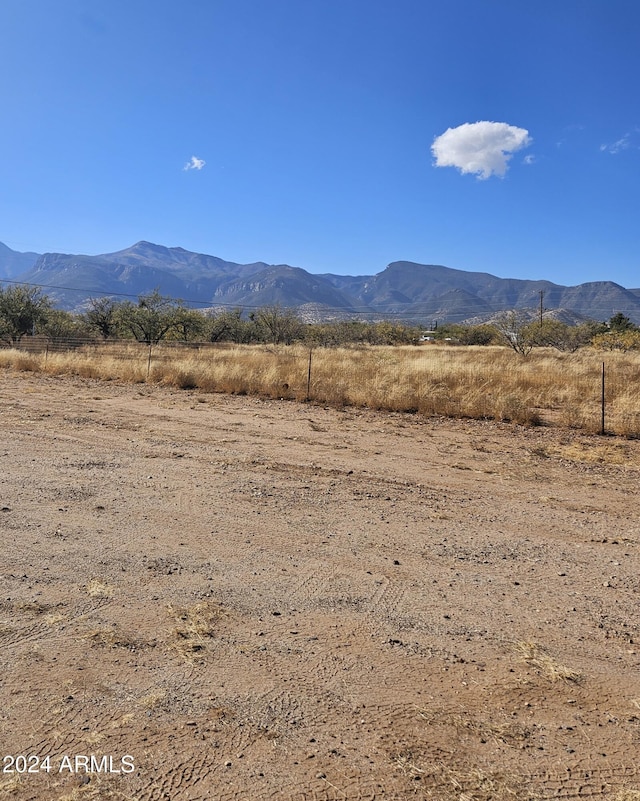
x: 404, y: 290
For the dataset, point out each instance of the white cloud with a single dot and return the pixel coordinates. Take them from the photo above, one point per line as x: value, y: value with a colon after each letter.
x: 529, y: 159
x: 622, y: 144
x: 195, y: 163
x: 480, y: 148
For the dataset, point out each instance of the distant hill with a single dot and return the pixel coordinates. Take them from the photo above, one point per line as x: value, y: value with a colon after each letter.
x: 432, y: 291
x: 404, y: 290
x: 13, y: 263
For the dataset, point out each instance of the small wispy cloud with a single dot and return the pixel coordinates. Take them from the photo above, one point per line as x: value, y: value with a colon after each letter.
x: 194, y: 163
x: 480, y: 148
x: 624, y: 143
x: 529, y: 159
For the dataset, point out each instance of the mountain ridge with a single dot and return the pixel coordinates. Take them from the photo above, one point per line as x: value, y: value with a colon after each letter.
x: 404, y: 289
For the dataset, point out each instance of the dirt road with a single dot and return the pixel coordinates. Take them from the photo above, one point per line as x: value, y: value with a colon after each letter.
x: 230, y: 598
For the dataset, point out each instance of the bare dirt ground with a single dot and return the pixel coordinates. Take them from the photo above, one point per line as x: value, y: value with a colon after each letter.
x: 235, y: 598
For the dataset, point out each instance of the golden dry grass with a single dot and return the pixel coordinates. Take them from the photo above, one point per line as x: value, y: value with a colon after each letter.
x: 113, y: 637
x: 196, y: 626
x: 509, y: 732
x: 153, y: 699
x: 99, y: 789
x: 99, y: 589
x: 475, y: 784
x: 536, y: 657
x: 474, y: 382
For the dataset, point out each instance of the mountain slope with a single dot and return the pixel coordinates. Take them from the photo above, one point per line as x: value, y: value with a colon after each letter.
x: 13, y: 263
x: 404, y: 290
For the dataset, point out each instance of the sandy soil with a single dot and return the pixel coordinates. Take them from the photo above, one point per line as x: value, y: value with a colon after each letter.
x: 235, y: 598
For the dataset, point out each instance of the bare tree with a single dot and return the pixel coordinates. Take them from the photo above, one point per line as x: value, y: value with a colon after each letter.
x: 515, y: 330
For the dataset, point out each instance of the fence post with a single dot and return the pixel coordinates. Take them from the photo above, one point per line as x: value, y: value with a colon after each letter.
x: 309, y: 375
x: 602, y: 431
x: 149, y: 361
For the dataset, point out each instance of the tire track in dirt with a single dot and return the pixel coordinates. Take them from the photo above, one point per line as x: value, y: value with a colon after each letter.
x: 12, y: 635
x: 570, y: 783
x: 193, y: 778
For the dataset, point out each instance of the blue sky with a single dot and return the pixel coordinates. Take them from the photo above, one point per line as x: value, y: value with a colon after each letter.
x: 311, y: 132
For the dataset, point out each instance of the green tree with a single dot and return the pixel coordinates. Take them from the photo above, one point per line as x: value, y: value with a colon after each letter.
x: 189, y: 324
x: 102, y: 316
x: 279, y: 326
x: 561, y: 336
x: 392, y: 333
x: 620, y: 322
x: 22, y: 308
x: 152, y: 319
x: 618, y: 340
x: 229, y: 325
x: 477, y: 335
x: 60, y: 325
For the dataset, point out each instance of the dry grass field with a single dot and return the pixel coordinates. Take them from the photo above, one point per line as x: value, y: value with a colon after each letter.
x: 463, y: 382
x: 222, y: 597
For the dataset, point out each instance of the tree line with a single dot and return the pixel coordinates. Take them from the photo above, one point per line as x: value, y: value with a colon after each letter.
x: 26, y: 311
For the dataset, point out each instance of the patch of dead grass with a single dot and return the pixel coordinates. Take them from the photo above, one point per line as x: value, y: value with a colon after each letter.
x: 153, y: 699
x: 479, y: 785
x: 98, y: 789
x: 97, y: 588
x: 537, y: 657
x: 32, y: 607
x: 485, y: 383
x: 613, y: 452
x: 54, y: 619
x: 196, y: 627
x: 113, y: 637
x: 460, y: 783
x: 10, y: 787
x: 510, y: 732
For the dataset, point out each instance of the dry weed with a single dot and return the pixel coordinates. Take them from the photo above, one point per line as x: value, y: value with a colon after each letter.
x: 109, y: 637
x: 10, y: 787
x: 54, y: 619
x: 474, y: 784
x: 590, y: 453
x: 97, y: 790
x: 32, y: 607
x: 153, y: 699
x: 407, y: 764
x: 490, y: 382
x: 196, y: 626
x: 100, y: 589
x: 536, y: 656
x: 510, y: 732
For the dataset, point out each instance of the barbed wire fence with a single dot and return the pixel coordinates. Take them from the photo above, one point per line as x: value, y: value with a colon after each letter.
x: 581, y: 391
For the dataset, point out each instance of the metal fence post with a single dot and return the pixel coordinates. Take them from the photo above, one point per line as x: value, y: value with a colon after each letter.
x: 602, y: 431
